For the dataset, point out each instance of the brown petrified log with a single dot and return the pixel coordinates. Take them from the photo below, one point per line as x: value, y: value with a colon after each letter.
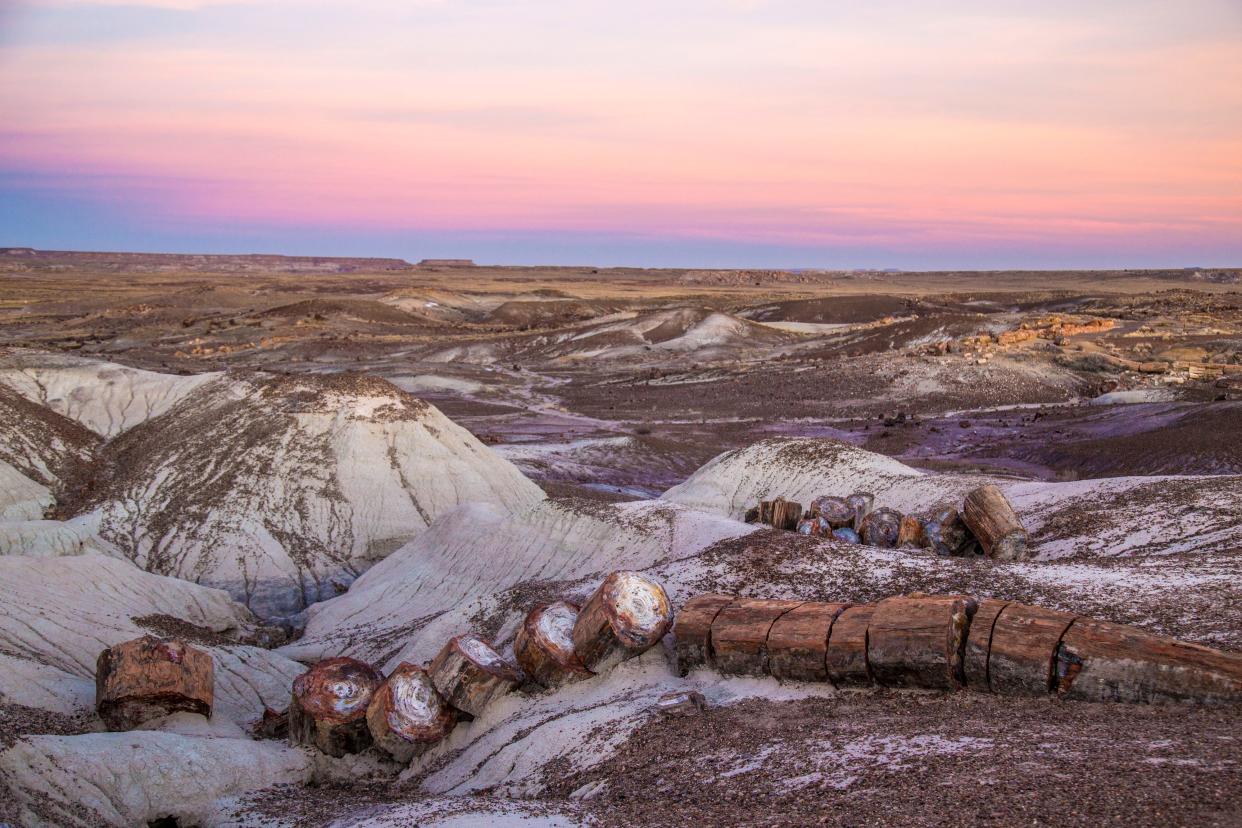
x: 881, y: 528
x: 469, y: 674
x: 406, y: 714
x: 544, y: 646
x: 861, y: 503
x: 1102, y: 661
x: 798, y: 641
x: 918, y: 641
x: 979, y: 643
x: 692, y: 630
x: 835, y: 510
x: 329, y: 705
x: 1023, y: 648
x: 944, y: 530
x: 786, y: 514
x: 988, y: 515
x: 150, y: 677
x: 765, y: 512
x: 627, y: 615
x: 845, y: 659
x: 910, y: 533
x: 740, y: 634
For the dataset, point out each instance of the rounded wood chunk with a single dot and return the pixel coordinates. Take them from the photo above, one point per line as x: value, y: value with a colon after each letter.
x: 407, y: 715
x: 1024, y: 646
x: 798, y: 641
x: 329, y: 705
x: 861, y: 503
x: 944, y: 531
x: 835, y: 510
x: 816, y: 527
x: 846, y: 657
x: 740, y: 634
x: 881, y: 528
x: 469, y: 674
x: 1101, y: 661
x: 627, y: 615
x: 544, y: 646
x: 919, y: 641
x: 979, y: 643
x: 150, y: 677
x: 911, y: 533
x: 987, y: 513
x: 692, y: 630
x: 786, y: 514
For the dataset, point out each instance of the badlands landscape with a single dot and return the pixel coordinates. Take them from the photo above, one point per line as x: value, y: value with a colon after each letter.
x: 264, y: 463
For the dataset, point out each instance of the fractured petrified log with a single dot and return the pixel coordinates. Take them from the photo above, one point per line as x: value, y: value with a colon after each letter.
x: 835, y: 510
x: 150, y: 677
x: 910, y: 533
x: 740, y: 634
x: 798, y: 641
x: 1023, y: 648
x: 406, y: 714
x: 816, y: 527
x: 469, y: 674
x: 329, y: 705
x: 979, y: 643
x: 846, y: 534
x: 845, y: 659
x: 627, y: 615
x: 944, y: 530
x: 988, y: 515
x: 692, y: 630
x: 1102, y: 661
x: 544, y: 646
x: 786, y: 514
x: 881, y: 528
x: 861, y: 503
x: 918, y: 641
x: 765, y: 512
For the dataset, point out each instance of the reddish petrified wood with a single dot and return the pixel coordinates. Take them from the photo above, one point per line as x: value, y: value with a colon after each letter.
x: 627, y: 615
x: 987, y: 513
x: 406, y: 714
x: 861, y: 503
x: 798, y: 641
x: 544, y: 646
x: 469, y: 674
x: 835, y: 510
x: 740, y: 634
x: 910, y: 532
x: 786, y: 514
x: 917, y: 641
x: 979, y: 643
x: 692, y: 630
x: 881, y: 528
x: 149, y: 677
x: 845, y: 658
x: 1102, y: 661
x: 329, y: 705
x: 1024, y: 646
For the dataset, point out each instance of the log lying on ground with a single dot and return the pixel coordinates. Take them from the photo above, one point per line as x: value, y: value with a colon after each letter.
x: 944, y: 531
x: 881, y: 528
x: 544, y: 646
x: 910, y: 534
x: 861, y: 503
x: 786, y: 514
x: 469, y: 674
x: 1023, y: 648
x: 740, y: 634
x: 798, y: 641
x: 835, y: 510
x: 918, y: 641
x: 1102, y: 661
x: 407, y: 715
x: 988, y: 515
x: 150, y: 677
x: 329, y: 706
x: 627, y: 615
x: 845, y: 659
x: 979, y: 644
x: 816, y: 527
x: 692, y: 630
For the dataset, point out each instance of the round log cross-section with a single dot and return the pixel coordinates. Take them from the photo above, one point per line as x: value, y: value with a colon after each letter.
x: 835, y: 510
x: 627, y: 615
x: 944, y: 530
x: 406, y: 714
x: 149, y: 677
x: 329, y: 705
x: 881, y: 528
x: 469, y: 674
x: 544, y: 645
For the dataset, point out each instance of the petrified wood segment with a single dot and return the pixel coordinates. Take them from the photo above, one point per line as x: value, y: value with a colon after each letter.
x: 835, y: 510
x: 1024, y: 645
x: 150, y: 677
x: 987, y: 513
x: 979, y: 643
x: 918, y: 641
x: 692, y: 630
x: 329, y: 706
x: 861, y: 503
x: 881, y: 528
x: 786, y: 514
x: 944, y: 530
x: 846, y: 656
x: 544, y: 646
x: 740, y: 634
x: 1102, y: 661
x: 910, y: 533
x: 469, y: 674
x: 627, y: 615
x: 798, y: 641
x: 406, y: 714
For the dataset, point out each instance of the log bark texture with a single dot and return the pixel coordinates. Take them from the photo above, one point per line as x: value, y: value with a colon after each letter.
x: 979, y: 644
x: 329, y: 706
x: 627, y: 615
x: 1023, y: 649
x: 692, y: 631
x: 988, y: 515
x: 911, y: 533
x: 845, y: 659
x: 786, y: 514
x: 918, y: 641
x: 150, y: 677
x: 407, y: 715
x: 798, y: 641
x: 881, y: 528
x: 740, y: 634
x: 544, y: 646
x: 469, y: 674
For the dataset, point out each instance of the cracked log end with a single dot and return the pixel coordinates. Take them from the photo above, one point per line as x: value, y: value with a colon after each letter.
x: 987, y: 513
x: 150, y: 677
x: 979, y: 644
x: 798, y: 641
x: 544, y: 645
x: 862, y: 503
x: 1023, y: 648
x: 627, y: 615
x: 834, y: 510
x: 407, y: 715
x: 881, y: 528
x: 739, y: 637
x: 918, y: 641
x: 692, y: 630
x: 329, y: 706
x: 469, y: 674
x: 845, y: 658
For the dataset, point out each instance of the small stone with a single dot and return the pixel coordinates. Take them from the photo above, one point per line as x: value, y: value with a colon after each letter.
x: 681, y: 703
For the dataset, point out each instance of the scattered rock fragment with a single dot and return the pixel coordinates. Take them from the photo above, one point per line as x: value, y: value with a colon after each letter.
x: 688, y: 703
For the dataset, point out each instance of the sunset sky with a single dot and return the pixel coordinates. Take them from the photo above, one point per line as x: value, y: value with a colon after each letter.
x: 809, y: 133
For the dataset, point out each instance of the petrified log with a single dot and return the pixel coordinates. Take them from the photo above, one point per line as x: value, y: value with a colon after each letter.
x: 544, y: 645
x: 816, y: 527
x: 835, y: 510
x: 798, y: 641
x: 861, y: 503
x: 910, y: 533
x: 627, y: 615
x: 406, y: 714
x: 740, y: 634
x: 329, y: 705
x: 918, y: 641
x: 987, y: 513
x: 469, y: 674
x: 765, y: 512
x: 845, y: 659
x: 846, y: 534
x: 979, y: 643
x: 1102, y: 661
x: 881, y: 528
x: 1024, y: 646
x: 944, y: 530
x: 692, y: 630
x: 150, y: 677
x: 786, y: 514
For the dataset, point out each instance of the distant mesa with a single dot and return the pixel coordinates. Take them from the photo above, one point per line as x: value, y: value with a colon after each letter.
x: 446, y: 263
